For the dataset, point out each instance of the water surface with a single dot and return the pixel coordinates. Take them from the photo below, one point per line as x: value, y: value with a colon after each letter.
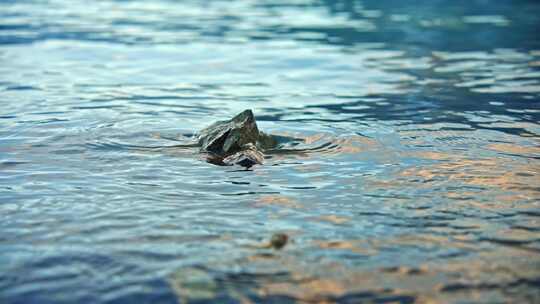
x: 423, y: 183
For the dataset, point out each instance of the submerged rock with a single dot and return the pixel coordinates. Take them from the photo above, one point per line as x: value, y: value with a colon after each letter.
x: 237, y: 141
x: 279, y: 240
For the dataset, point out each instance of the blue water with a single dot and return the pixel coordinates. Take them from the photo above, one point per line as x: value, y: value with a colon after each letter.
x: 422, y: 184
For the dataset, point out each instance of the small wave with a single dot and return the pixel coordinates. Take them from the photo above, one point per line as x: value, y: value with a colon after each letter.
x: 456, y: 287
x: 21, y: 88
x: 324, y: 144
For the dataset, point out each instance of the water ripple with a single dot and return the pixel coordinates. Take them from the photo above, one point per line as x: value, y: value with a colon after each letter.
x: 408, y: 170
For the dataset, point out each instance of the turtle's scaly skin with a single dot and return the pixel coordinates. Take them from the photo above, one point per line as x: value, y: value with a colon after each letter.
x: 246, y: 158
x: 230, y: 136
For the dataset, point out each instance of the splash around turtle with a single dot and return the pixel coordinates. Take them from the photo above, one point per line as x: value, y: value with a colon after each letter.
x: 238, y: 141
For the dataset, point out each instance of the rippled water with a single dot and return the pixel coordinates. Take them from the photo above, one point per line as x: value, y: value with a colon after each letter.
x: 423, y: 183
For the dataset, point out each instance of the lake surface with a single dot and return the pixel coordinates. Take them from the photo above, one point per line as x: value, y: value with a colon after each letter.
x: 421, y: 183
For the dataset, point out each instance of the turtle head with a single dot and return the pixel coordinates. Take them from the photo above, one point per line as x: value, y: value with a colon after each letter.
x: 249, y: 146
x: 243, y: 131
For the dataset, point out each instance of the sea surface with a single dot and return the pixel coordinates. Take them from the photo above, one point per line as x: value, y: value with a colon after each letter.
x: 418, y: 179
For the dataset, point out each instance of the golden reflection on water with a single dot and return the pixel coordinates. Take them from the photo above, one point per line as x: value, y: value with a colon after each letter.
x: 326, y: 144
x: 502, y: 172
x: 354, y: 246
x: 472, y: 257
x: 350, y: 144
x: 515, y: 149
x: 334, y: 219
x: 432, y: 282
x: 496, y: 173
x: 277, y: 200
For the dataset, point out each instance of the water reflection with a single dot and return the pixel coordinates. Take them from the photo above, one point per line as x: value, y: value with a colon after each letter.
x: 416, y: 179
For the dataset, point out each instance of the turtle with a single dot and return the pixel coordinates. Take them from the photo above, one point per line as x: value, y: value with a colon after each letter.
x: 237, y: 141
